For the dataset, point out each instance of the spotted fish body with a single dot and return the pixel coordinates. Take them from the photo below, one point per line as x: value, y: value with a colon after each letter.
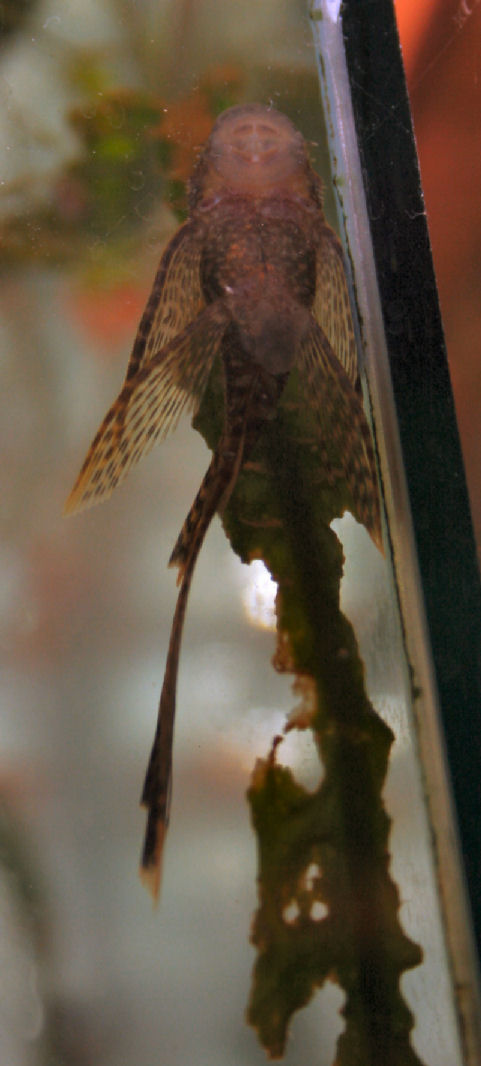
x: 255, y: 276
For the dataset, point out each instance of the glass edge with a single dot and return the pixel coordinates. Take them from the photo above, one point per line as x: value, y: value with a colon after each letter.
x: 349, y: 180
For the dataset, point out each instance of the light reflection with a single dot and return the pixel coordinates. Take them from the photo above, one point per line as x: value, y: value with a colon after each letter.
x: 259, y: 596
x: 367, y: 602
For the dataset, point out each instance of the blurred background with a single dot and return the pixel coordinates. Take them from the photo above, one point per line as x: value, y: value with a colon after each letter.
x: 440, y: 40
x: 103, y: 105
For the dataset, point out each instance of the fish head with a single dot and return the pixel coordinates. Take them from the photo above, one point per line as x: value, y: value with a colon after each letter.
x: 253, y: 150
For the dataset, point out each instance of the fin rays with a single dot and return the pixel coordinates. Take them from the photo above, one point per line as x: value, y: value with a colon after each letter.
x: 149, y: 407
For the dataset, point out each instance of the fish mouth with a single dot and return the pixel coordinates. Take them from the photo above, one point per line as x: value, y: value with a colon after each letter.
x: 254, y: 143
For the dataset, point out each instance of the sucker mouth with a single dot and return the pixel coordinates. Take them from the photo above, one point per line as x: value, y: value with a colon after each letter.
x: 255, y: 141
x: 262, y: 155
x: 254, y: 149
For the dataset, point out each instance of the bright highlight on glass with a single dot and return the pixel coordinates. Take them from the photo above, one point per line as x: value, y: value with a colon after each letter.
x: 259, y: 596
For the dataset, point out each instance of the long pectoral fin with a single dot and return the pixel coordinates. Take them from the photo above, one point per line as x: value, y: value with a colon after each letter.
x: 331, y: 307
x: 149, y: 407
x: 175, y: 300
x: 343, y: 425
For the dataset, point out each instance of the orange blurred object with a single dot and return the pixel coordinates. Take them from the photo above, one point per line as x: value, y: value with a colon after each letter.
x: 441, y: 48
x: 109, y: 316
x: 413, y: 19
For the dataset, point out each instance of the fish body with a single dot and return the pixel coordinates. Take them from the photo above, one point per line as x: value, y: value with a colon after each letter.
x: 255, y: 277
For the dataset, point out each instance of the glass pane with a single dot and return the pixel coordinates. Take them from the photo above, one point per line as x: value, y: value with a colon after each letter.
x: 105, y: 107
x: 377, y: 188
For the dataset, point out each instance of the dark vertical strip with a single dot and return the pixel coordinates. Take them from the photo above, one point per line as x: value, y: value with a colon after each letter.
x: 424, y: 403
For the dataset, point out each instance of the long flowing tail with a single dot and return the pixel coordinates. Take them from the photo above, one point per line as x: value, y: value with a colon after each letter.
x: 216, y: 487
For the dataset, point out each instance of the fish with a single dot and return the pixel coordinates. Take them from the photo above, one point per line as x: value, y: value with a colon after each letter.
x: 255, y: 278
